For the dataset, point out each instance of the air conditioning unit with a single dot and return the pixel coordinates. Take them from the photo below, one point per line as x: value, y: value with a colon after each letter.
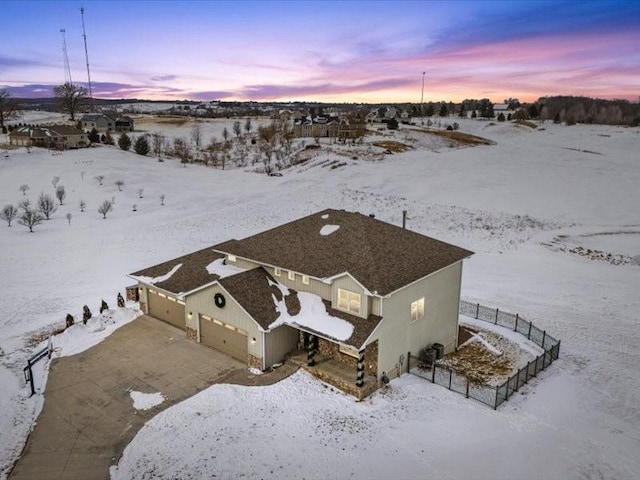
x: 439, y: 348
x: 428, y: 356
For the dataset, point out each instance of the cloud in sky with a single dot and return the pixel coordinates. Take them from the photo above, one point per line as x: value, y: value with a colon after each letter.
x: 362, y: 51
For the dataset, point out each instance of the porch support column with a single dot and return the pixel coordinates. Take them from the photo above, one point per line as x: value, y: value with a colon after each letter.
x: 360, y: 380
x: 311, y: 352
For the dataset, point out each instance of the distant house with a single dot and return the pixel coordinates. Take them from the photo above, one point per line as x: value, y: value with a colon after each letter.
x: 102, y: 123
x: 59, y: 137
x: 353, y: 293
x: 503, y: 108
x: 108, y: 122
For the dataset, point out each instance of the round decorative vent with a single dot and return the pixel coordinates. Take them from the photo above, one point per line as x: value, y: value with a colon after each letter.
x: 220, y: 300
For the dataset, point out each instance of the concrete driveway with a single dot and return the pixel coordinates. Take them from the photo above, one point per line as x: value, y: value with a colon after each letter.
x: 88, y: 416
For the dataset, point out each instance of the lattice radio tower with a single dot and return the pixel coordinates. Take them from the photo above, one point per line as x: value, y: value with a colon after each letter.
x: 86, y: 55
x: 65, y: 58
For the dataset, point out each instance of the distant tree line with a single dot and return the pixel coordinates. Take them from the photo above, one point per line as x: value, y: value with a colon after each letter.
x: 588, y: 110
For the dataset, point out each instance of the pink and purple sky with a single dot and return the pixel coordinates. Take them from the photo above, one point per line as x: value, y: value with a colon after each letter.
x: 333, y: 51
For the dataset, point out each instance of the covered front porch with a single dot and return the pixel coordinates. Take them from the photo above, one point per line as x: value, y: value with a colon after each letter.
x: 352, y: 372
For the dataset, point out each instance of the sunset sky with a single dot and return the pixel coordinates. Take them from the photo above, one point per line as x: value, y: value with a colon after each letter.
x: 342, y: 51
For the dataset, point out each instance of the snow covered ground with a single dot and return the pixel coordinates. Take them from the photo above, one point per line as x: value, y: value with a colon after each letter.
x: 507, y: 202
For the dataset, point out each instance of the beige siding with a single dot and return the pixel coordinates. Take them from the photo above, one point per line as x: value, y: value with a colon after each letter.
x: 398, y: 335
x: 202, y: 303
x: 278, y: 343
x: 242, y: 263
x: 143, y: 296
x: 375, y: 305
x: 316, y: 287
x: 348, y: 283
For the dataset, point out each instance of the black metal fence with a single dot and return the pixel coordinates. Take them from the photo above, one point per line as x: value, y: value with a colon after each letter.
x: 492, y: 396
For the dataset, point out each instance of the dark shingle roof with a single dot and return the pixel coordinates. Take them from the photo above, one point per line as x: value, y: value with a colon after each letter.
x: 255, y: 290
x: 65, y: 130
x: 381, y: 256
x: 191, y: 275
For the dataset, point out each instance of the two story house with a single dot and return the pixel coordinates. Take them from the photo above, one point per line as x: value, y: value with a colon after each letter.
x: 336, y: 284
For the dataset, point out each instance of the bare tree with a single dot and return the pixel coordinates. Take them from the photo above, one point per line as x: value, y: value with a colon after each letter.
x: 70, y: 98
x: 140, y: 192
x: 83, y: 205
x: 30, y: 219
x: 99, y: 178
x: 247, y: 125
x: 82, y: 174
x: 225, y: 134
x: 196, y: 136
x: 237, y: 129
x: 181, y: 150
x: 46, y: 205
x: 55, y: 181
x: 162, y: 197
x: 135, y: 207
x: 157, y: 142
x: 119, y: 184
x: 8, y: 108
x: 24, y: 205
x: 23, y: 188
x: 68, y: 216
x: 61, y: 193
x: 105, y: 208
x: 9, y: 212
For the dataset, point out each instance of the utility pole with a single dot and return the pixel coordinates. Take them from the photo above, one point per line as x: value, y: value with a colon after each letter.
x: 86, y: 55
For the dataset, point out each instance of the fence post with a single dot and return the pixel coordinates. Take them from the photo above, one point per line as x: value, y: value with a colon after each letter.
x: 518, y: 380
x: 467, y: 392
x: 529, y: 334
x: 408, y: 362
x: 495, y: 404
x: 496, y: 322
x: 558, y: 352
x: 433, y: 373
x: 477, y: 310
x: 544, y: 337
x: 515, y: 329
x: 450, y: 377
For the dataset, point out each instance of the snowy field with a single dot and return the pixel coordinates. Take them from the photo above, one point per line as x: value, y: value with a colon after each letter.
x: 516, y: 204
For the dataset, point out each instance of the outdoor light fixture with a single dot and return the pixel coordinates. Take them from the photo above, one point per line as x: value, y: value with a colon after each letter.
x: 190, y: 315
x: 253, y: 340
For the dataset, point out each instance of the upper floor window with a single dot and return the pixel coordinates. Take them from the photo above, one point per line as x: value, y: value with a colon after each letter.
x: 417, y: 309
x: 305, y: 279
x: 349, y: 301
x: 231, y: 258
x: 277, y: 272
x: 292, y: 275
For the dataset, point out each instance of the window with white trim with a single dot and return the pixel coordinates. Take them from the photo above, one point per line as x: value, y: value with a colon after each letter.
x: 305, y: 279
x: 417, y: 309
x: 231, y: 258
x: 292, y: 275
x: 349, y: 301
x: 277, y: 272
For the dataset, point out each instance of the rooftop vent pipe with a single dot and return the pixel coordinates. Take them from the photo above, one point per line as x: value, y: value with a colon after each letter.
x: 404, y: 219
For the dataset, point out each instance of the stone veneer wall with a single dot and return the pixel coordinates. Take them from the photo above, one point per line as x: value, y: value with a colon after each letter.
x: 254, y: 362
x: 192, y: 334
x: 330, y: 349
x: 143, y: 307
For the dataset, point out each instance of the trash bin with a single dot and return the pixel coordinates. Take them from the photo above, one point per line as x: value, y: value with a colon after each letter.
x: 439, y: 350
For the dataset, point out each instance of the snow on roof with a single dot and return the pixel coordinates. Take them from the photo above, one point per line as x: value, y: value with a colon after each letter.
x: 218, y: 267
x: 325, y: 216
x: 313, y: 314
x: 328, y: 229
x: 158, y: 279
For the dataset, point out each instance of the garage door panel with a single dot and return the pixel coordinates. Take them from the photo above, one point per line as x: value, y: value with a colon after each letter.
x: 222, y: 338
x: 166, y: 310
